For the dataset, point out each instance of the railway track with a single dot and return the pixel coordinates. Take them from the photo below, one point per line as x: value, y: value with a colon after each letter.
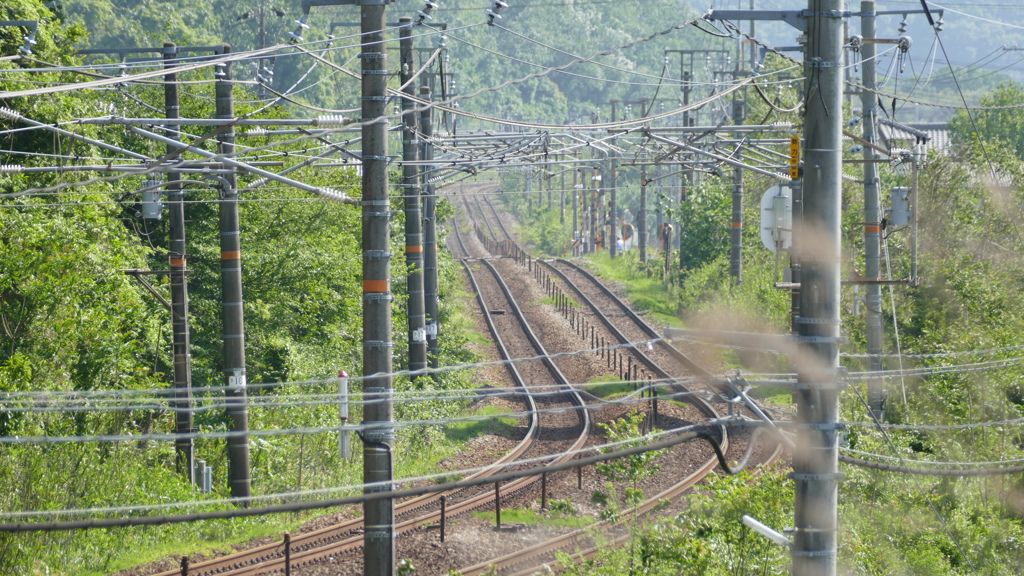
x: 344, y: 538
x: 626, y: 328
x: 494, y: 294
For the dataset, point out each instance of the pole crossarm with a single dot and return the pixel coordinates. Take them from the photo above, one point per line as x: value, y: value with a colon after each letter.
x: 328, y: 193
x: 724, y: 159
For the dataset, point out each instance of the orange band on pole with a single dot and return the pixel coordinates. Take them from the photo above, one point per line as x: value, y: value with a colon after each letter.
x: 873, y: 229
x: 230, y: 255
x: 177, y: 262
x: 737, y: 225
x: 414, y: 248
x: 375, y: 286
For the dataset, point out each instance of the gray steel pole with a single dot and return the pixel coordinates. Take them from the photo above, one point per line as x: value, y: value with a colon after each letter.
x: 613, y: 207
x: 232, y: 320
x: 411, y: 202
x: 178, y: 260
x: 815, y: 458
x: 594, y: 191
x: 613, y: 210
x: 430, y: 286
x: 736, y: 232
x: 687, y: 182
x: 575, y: 206
x: 872, y: 215
x: 561, y: 200
x: 641, y: 226
x: 378, y: 441
x: 601, y: 213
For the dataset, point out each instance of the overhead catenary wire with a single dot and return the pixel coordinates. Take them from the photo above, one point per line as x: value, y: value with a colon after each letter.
x: 660, y: 440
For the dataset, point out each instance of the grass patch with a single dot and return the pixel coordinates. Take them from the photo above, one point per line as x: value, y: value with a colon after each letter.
x: 609, y: 387
x: 778, y: 395
x: 533, y: 518
x: 648, y: 294
x: 467, y: 430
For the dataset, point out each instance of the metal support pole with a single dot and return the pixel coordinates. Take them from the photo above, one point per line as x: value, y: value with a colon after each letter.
x: 232, y: 318
x: 561, y: 200
x: 378, y: 441
x: 687, y: 183
x: 178, y: 260
x: 815, y: 458
x: 575, y: 206
x: 872, y: 216
x: 430, y: 297
x: 736, y: 232
x: 287, y: 554
x: 641, y: 231
x: 612, y: 214
x: 594, y: 228
x: 497, y: 505
x: 411, y: 202
x: 444, y: 515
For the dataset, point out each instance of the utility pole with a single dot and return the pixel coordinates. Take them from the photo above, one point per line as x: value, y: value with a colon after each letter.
x: 575, y: 205
x: 686, y: 180
x: 378, y: 440
x: 613, y: 207
x: 641, y: 232
x: 815, y: 458
x: 561, y: 198
x: 736, y: 232
x: 178, y: 260
x: 232, y: 320
x: 594, y: 190
x: 429, y: 233
x: 872, y: 213
x: 411, y: 202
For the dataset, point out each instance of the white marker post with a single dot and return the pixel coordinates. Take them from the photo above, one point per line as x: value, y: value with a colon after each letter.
x: 343, y: 442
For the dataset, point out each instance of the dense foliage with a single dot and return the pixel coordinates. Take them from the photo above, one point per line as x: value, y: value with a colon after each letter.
x: 71, y: 321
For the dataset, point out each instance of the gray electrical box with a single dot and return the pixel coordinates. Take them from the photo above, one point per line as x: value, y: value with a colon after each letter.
x: 152, y: 203
x: 899, y: 215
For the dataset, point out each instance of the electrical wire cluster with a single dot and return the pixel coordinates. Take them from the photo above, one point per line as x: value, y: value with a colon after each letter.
x: 329, y: 136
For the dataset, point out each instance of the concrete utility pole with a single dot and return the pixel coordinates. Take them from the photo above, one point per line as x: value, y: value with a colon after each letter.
x: 686, y: 185
x: 411, y: 202
x: 178, y: 260
x: 378, y: 440
x: 561, y: 198
x: 613, y: 208
x: 815, y: 459
x: 736, y: 232
x: 872, y: 215
x: 576, y: 204
x: 430, y: 296
x: 641, y: 226
x: 232, y: 320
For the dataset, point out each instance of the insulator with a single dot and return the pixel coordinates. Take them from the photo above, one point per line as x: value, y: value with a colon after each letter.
x: 9, y: 114
x: 330, y: 120
x: 255, y: 132
x: 332, y: 194
x: 259, y: 182
x: 11, y: 169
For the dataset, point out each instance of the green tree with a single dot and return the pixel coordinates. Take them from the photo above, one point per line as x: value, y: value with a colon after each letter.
x: 1004, y: 123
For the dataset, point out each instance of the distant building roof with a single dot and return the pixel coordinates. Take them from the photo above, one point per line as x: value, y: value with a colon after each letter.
x: 935, y: 135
